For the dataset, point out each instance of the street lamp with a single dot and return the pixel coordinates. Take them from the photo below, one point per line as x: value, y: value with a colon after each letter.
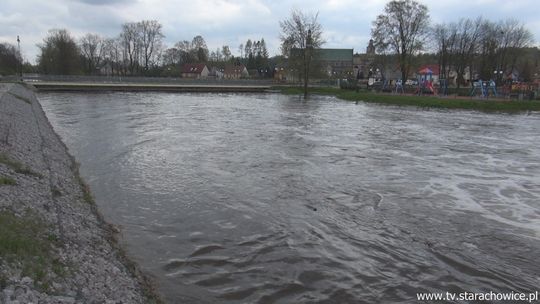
x: 20, y: 57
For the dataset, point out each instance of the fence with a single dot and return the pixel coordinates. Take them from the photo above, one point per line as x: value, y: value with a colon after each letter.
x: 135, y: 79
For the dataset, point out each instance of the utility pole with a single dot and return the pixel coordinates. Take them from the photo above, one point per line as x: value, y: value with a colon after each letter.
x: 20, y: 57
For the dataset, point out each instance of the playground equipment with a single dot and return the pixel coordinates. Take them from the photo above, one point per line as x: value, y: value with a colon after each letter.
x: 484, y: 88
x: 399, y: 86
x: 425, y: 85
x: 425, y: 82
x: 385, y: 86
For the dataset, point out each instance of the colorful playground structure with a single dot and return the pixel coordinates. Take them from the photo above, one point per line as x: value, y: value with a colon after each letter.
x: 425, y: 86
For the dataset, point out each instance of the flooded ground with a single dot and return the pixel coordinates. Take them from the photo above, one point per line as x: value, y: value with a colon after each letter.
x: 228, y: 198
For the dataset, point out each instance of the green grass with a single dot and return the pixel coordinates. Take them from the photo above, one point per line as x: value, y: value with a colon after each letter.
x: 511, y: 106
x: 4, y: 180
x: 17, y: 166
x: 26, y: 243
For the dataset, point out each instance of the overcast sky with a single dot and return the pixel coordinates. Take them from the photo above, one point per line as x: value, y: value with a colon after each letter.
x: 346, y: 23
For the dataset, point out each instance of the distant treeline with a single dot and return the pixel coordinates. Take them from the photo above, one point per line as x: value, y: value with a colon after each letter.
x: 138, y: 50
x: 491, y: 49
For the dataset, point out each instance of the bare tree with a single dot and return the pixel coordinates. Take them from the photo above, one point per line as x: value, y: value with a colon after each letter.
x: 92, y: 50
x: 301, y: 32
x: 114, y: 55
x: 264, y: 50
x: 247, y: 48
x: 241, y: 50
x: 216, y: 55
x: 403, y: 27
x: 445, y: 36
x: 226, y: 52
x: 514, y: 37
x: 186, y: 53
x: 130, y: 44
x: 150, y: 41
x: 172, y: 56
x: 469, y: 34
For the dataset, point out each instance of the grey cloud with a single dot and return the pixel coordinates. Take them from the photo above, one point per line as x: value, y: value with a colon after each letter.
x: 105, y: 2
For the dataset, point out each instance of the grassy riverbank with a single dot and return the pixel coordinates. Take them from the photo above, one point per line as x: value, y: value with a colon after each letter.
x: 486, y: 105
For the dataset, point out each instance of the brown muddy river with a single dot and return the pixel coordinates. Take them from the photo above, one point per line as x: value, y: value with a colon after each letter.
x: 264, y: 198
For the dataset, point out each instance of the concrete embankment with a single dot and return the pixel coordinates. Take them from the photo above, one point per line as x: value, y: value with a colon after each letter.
x: 54, y: 245
x: 134, y: 87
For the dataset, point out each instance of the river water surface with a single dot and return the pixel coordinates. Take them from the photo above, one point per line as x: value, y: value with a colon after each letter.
x: 226, y: 198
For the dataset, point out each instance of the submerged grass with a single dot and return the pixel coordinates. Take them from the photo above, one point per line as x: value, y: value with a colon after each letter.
x: 87, y: 194
x: 485, y: 105
x: 25, y: 241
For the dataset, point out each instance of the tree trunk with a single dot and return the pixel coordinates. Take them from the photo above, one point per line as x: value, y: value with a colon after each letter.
x: 306, y: 71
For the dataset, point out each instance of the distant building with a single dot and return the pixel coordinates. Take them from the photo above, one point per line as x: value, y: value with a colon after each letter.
x: 335, y: 62
x: 194, y: 70
x: 280, y: 73
x: 332, y: 62
x: 236, y: 71
x: 216, y: 72
x: 370, y: 50
x: 364, y: 64
x: 105, y: 69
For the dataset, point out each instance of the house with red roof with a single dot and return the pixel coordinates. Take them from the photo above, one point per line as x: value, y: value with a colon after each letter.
x: 194, y: 70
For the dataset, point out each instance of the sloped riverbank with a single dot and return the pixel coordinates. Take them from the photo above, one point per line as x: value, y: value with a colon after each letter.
x: 54, y: 245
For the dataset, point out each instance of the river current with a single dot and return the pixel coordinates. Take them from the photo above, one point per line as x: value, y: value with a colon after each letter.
x: 266, y: 198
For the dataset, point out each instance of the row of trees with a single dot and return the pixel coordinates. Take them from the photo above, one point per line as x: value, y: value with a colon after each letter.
x: 185, y: 51
x: 484, y: 46
x: 254, y: 54
x: 490, y: 48
x: 136, y: 50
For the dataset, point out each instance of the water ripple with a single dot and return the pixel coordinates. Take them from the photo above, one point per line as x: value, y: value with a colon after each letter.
x: 228, y: 198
